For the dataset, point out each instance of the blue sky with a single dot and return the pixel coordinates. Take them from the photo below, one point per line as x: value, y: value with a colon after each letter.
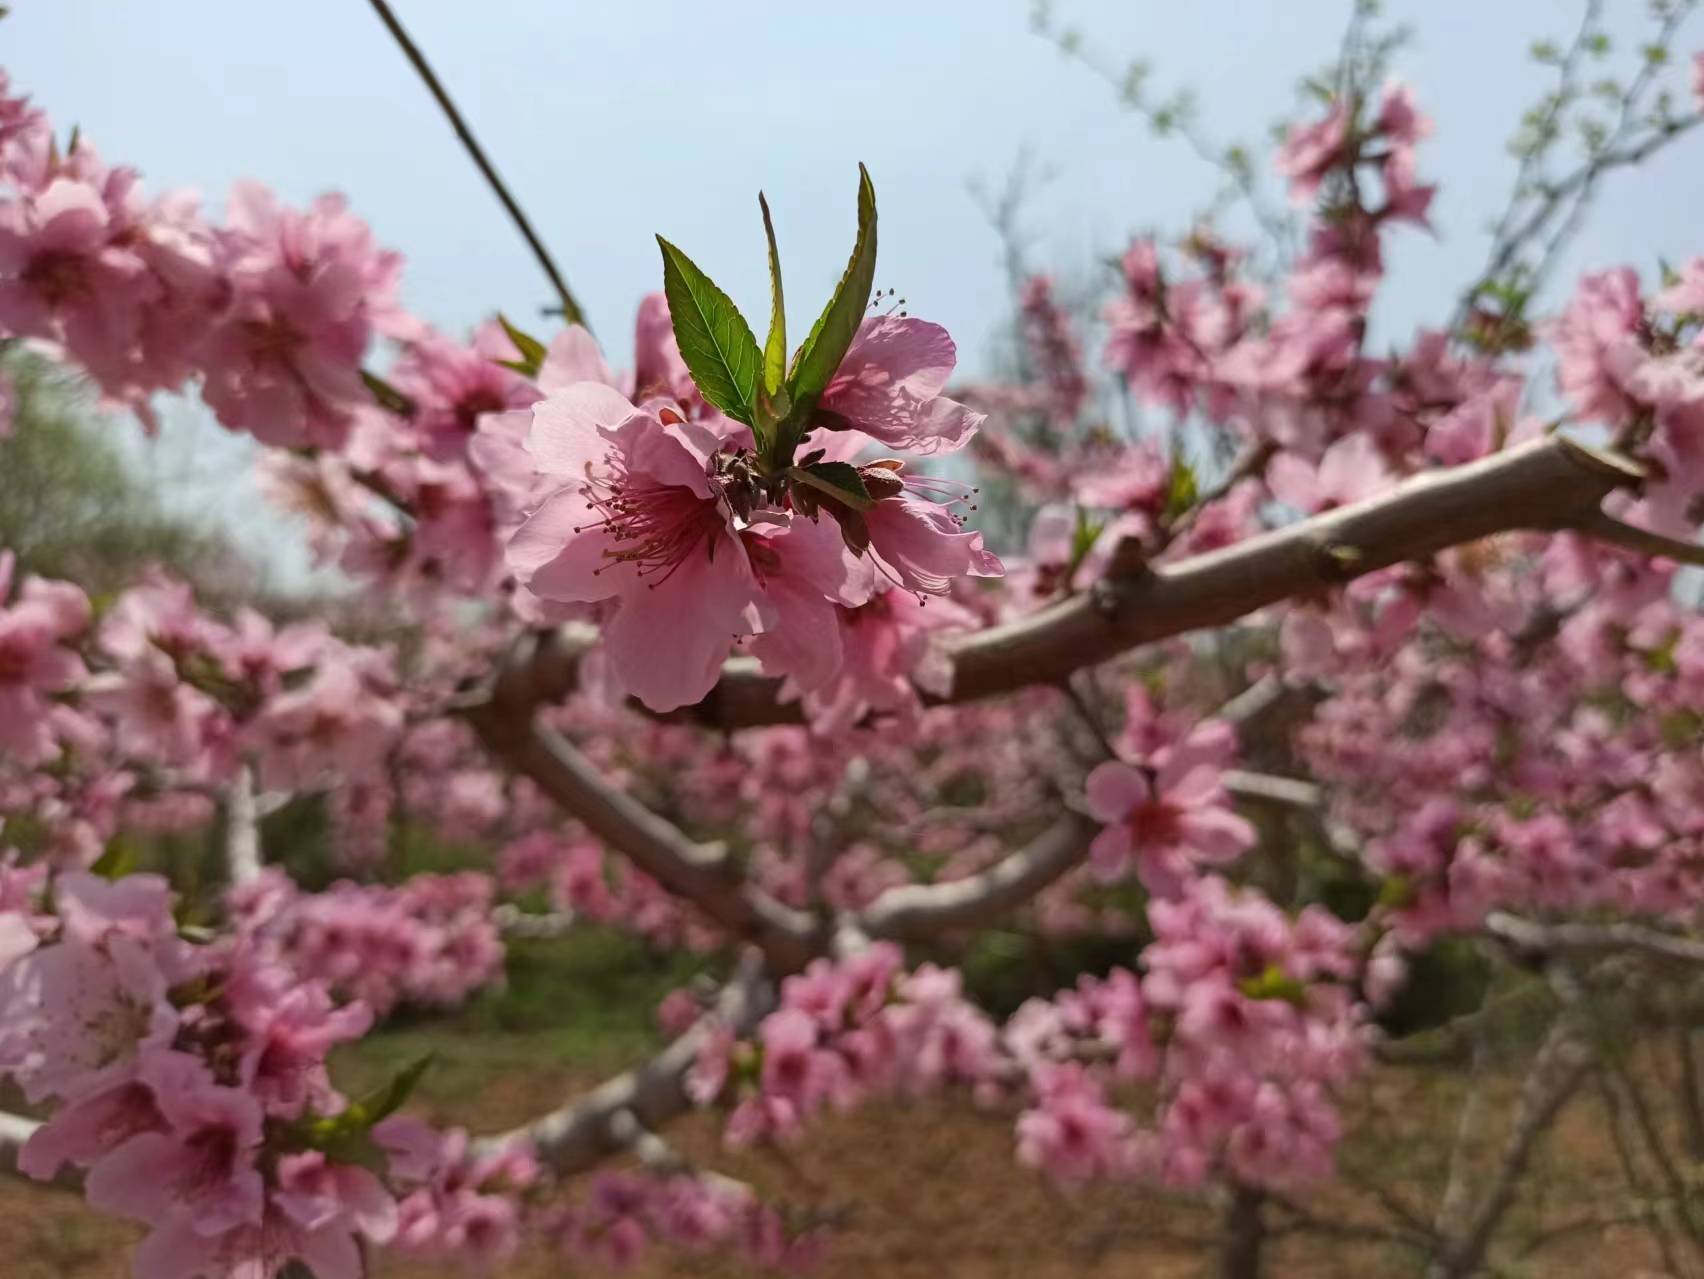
x: 616, y: 120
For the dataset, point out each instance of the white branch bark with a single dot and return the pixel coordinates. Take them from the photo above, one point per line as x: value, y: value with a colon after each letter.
x: 915, y: 911
x: 242, y: 829
x: 1600, y: 939
x: 601, y: 1123
x: 15, y: 1130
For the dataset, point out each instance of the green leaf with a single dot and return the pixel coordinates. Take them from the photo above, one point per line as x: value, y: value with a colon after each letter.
x: 347, y: 1136
x: 819, y: 358
x: 1083, y: 537
x: 117, y: 861
x: 1274, y: 983
x: 775, y: 347
x: 1396, y: 892
x: 1182, y: 489
x: 715, y: 341
x: 387, y: 395
x: 839, y: 480
x: 531, y: 349
x: 386, y: 1101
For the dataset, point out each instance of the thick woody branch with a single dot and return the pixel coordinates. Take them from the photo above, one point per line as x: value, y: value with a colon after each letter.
x: 1550, y: 484
x: 703, y: 874
x: 1546, y: 485
x: 659, y: 1157
x: 915, y: 911
x: 604, y: 1121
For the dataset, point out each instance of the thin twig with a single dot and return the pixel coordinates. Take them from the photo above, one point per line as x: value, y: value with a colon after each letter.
x: 1606, y: 528
x: 1457, y: 1196
x: 570, y: 309
x: 1630, y: 1169
x: 1504, y: 245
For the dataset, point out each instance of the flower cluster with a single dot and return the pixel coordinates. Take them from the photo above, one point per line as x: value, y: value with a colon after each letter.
x: 272, y: 312
x: 622, y: 1215
x: 1165, y: 803
x: 1243, y: 1024
x: 845, y: 1032
x: 427, y: 942
x: 190, y: 1084
x: 660, y: 520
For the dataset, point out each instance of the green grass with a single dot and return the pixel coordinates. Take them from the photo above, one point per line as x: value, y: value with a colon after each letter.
x: 573, y: 1005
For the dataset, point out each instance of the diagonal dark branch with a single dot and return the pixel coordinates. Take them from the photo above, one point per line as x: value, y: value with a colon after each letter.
x: 570, y: 308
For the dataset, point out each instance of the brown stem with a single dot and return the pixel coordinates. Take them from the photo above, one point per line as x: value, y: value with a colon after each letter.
x: 1691, y: 1105
x: 1242, y: 1234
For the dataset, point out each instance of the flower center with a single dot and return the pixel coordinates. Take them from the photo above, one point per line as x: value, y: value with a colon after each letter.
x: 15, y: 661
x: 655, y: 527
x: 1153, y: 824
x: 57, y: 277
x: 213, y: 1155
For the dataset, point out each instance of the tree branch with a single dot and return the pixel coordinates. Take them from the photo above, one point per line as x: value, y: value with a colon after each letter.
x: 506, y: 722
x: 601, y: 1123
x: 242, y: 829
x: 1523, y: 934
x: 1267, y: 788
x: 570, y: 308
x: 1556, y: 1073
x: 1606, y: 528
x: 914, y: 911
x: 1550, y: 484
